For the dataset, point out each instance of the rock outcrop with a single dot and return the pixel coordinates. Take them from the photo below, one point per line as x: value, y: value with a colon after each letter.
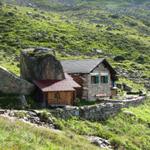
x: 12, y: 84
x: 119, y: 58
x: 40, y: 64
x: 100, y: 142
x: 36, y: 118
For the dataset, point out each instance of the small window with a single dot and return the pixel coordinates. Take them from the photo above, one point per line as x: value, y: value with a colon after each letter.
x: 95, y: 79
x: 104, y: 79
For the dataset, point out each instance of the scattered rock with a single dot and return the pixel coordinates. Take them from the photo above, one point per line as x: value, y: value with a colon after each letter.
x: 97, y: 51
x: 30, y: 5
x: 28, y: 116
x: 29, y: 13
x: 12, y: 84
x: 35, y: 120
x: 100, y: 142
x: 119, y: 85
x: 147, y: 85
x: 114, y: 16
x: 9, y: 14
x: 1, y: 4
x: 140, y: 59
x: 128, y: 113
x: 45, y: 117
x: 31, y: 113
x: 126, y: 88
x: 2, y: 111
x: 119, y: 58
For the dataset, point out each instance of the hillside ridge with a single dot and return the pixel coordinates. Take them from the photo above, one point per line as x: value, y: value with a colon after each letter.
x: 80, y: 33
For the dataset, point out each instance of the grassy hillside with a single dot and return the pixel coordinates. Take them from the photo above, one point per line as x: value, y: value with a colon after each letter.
x: 80, y: 29
x: 22, y: 27
x: 17, y: 135
x: 129, y: 130
x: 70, y: 4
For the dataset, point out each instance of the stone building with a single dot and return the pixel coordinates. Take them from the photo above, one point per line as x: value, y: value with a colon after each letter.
x: 96, y: 77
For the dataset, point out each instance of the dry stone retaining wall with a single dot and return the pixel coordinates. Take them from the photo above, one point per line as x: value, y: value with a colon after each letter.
x: 96, y: 112
x: 128, y: 102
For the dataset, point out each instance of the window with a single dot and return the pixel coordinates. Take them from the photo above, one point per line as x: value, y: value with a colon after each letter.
x: 95, y: 79
x: 104, y: 79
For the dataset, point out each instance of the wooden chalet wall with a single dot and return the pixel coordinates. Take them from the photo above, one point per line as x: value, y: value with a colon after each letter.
x: 61, y: 98
x: 79, y: 80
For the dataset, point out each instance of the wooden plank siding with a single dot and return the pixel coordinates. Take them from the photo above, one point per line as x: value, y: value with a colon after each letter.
x: 61, y: 98
x: 78, y: 79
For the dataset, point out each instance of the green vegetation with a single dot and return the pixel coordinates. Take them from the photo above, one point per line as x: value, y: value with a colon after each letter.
x: 128, y: 130
x: 79, y: 29
x: 78, y: 32
x: 82, y: 102
x: 135, y: 87
x: 10, y: 102
x: 20, y: 136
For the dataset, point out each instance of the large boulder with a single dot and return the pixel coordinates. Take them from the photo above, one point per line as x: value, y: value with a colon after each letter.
x: 12, y: 84
x: 40, y: 64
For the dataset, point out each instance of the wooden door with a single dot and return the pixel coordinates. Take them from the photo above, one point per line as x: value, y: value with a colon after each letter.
x: 61, y: 98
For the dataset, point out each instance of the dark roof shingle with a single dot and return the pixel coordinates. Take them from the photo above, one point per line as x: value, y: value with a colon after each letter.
x: 80, y: 66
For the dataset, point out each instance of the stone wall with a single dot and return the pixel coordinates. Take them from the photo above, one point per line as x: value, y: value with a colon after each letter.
x: 100, y: 88
x: 128, y: 102
x: 90, y: 90
x: 96, y: 112
x: 99, y: 112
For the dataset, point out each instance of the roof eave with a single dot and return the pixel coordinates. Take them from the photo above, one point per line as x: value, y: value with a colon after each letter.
x: 97, y: 64
x: 45, y: 91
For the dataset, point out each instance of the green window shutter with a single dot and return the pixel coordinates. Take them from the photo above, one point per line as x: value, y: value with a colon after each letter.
x: 106, y: 79
x: 97, y: 79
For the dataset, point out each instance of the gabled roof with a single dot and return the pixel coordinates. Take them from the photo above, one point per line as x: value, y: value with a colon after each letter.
x: 80, y: 66
x: 68, y: 84
x: 84, y: 66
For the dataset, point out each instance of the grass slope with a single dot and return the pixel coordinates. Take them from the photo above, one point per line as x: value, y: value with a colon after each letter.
x: 76, y: 33
x: 17, y: 135
x: 72, y: 4
x: 128, y: 131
